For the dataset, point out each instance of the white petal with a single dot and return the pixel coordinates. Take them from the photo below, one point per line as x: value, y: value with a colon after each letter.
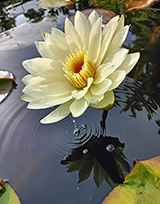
x: 56, y: 100
x: 78, y: 107
x: 27, y: 98
x: 110, y: 26
x: 118, y: 39
x: 107, y: 101
x: 39, y: 81
x: 34, y: 81
x: 129, y: 62
x: 59, y: 35
x: 33, y: 92
x: 116, y: 77
x: 43, y: 67
x: 83, y: 27
x: 44, y: 50
x: 108, y: 33
x: 26, y: 79
x: 120, y: 24
x: 58, y: 48
x: 117, y: 57
x: 95, y: 40
x: 72, y: 37
x: 56, y: 39
x: 101, y: 88
x: 93, y: 17
x: 58, y: 114
x: 102, y: 72
x: 94, y: 99
x: 79, y: 94
x: 57, y: 88
x: 36, y: 104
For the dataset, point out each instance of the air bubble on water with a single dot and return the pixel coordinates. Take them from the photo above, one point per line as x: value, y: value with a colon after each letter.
x: 91, y: 199
x: 76, y: 131
x: 85, y: 151
x: 110, y: 147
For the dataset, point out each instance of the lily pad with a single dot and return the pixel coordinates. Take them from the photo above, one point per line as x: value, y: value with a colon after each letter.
x: 142, y: 185
x: 140, y: 4
x: 55, y: 3
x: 7, y: 194
x: 6, y: 84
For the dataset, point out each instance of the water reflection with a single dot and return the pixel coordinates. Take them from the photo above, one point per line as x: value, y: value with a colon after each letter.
x: 6, y: 21
x: 33, y: 14
x: 103, y: 154
x: 138, y: 96
x: 142, y: 92
x: 15, y: 12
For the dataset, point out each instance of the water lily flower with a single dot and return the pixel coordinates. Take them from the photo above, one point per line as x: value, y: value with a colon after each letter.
x: 79, y: 67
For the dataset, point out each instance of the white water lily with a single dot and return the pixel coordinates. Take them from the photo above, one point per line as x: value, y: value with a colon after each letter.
x: 78, y: 68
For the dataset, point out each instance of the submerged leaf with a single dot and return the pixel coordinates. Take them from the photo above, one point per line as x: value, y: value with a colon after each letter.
x: 7, y: 194
x: 6, y: 84
x: 142, y: 185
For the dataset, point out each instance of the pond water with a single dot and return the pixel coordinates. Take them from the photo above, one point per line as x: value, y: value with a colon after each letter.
x: 34, y: 157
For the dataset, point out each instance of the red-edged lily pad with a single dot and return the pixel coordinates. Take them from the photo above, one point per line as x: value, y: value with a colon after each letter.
x: 6, y: 84
x: 7, y: 194
x: 142, y: 185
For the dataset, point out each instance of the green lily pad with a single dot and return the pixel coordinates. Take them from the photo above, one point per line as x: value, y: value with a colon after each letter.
x: 6, y: 84
x: 142, y: 185
x: 7, y: 194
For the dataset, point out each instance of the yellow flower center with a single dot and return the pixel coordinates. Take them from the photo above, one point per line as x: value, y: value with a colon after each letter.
x: 78, y: 68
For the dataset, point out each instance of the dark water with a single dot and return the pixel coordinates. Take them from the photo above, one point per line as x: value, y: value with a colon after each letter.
x: 31, y: 153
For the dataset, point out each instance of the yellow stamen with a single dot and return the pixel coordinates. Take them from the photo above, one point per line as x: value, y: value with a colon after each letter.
x: 78, y: 68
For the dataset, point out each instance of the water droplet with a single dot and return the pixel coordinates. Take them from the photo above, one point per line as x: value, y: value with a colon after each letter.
x: 84, y: 126
x: 85, y: 151
x: 77, y: 188
x: 91, y: 199
x: 110, y: 147
x: 76, y: 131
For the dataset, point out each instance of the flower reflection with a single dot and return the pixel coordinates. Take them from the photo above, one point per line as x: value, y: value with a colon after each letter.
x: 104, y: 155
x: 78, y: 68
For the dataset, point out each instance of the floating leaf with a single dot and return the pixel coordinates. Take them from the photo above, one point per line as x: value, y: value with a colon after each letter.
x: 55, y: 3
x: 142, y: 185
x: 7, y: 194
x: 135, y: 5
x: 6, y: 84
